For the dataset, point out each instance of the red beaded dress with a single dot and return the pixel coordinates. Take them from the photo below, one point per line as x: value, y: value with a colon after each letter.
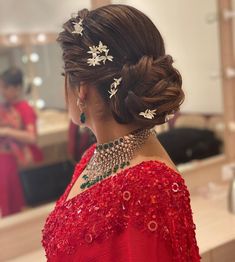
x: 143, y: 213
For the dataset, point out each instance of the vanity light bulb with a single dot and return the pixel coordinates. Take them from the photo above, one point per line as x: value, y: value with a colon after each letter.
x: 41, y: 37
x: 37, y: 81
x: 40, y: 103
x: 34, y: 57
x: 13, y: 39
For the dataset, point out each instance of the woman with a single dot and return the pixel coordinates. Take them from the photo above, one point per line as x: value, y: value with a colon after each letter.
x: 126, y: 200
x: 17, y: 139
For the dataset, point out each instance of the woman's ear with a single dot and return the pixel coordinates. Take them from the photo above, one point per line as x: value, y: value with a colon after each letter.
x: 82, y: 91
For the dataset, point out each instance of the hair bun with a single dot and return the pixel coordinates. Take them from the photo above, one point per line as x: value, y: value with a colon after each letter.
x: 149, y: 84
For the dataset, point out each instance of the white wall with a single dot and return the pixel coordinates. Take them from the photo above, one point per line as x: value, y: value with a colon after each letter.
x: 36, y: 15
x: 194, y: 45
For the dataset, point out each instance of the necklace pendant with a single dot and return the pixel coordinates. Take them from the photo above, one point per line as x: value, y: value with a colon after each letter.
x: 108, y: 158
x: 84, y: 185
x: 115, y: 169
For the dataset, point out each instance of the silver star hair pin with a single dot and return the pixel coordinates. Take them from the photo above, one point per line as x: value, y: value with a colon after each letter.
x: 101, y: 47
x: 148, y: 113
x: 78, y: 27
x: 93, y: 50
x: 95, y: 60
x: 98, y: 54
x: 106, y: 57
x: 114, y: 86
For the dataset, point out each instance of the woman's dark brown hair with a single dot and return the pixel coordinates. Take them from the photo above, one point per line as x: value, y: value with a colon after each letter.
x: 12, y: 77
x: 149, y: 81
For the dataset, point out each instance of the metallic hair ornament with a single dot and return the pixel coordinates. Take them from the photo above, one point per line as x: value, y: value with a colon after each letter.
x: 169, y: 117
x: 114, y: 86
x: 149, y: 114
x: 98, y: 54
x: 78, y: 27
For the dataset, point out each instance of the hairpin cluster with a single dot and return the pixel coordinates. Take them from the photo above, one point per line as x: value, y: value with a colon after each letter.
x: 99, y: 53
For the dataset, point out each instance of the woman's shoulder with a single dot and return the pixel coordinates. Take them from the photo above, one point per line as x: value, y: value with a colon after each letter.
x: 157, y: 174
x: 158, y: 187
x: 22, y: 103
x: 155, y: 182
x: 24, y: 106
x: 26, y: 111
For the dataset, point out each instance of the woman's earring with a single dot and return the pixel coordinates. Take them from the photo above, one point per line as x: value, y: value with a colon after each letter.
x: 82, y: 116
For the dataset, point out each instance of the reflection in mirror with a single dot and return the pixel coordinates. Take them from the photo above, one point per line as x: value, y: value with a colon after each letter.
x: 47, y: 67
x: 26, y: 75
x: 12, y: 57
x: 17, y: 139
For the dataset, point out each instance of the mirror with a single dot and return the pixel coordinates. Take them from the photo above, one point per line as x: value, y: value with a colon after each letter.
x: 47, y: 66
x: 190, y: 37
x: 45, y: 94
x: 12, y: 56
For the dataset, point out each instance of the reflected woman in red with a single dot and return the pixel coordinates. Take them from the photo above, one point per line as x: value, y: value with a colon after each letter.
x: 17, y: 139
x: 126, y: 200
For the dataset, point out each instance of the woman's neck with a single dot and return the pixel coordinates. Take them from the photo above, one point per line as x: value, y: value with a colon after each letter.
x: 13, y: 101
x: 110, y: 130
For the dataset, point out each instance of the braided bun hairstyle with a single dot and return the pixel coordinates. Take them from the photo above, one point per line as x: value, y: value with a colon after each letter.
x: 149, y: 80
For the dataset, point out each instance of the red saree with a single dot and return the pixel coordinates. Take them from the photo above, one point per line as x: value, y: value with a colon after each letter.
x: 12, y: 154
x: 141, y: 214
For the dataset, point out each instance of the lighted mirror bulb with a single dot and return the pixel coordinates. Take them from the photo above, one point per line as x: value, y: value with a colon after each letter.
x: 37, y: 81
x: 13, y: 39
x: 41, y: 37
x: 24, y: 59
x: 34, y: 57
x: 40, y: 103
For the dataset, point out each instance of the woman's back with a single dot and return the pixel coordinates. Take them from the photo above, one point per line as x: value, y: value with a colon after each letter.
x: 142, y: 213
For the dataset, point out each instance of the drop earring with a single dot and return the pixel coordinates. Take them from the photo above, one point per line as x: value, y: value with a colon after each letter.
x: 81, y: 105
x: 83, y: 118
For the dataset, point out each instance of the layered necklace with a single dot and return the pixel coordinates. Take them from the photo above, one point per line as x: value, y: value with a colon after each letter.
x: 108, y: 158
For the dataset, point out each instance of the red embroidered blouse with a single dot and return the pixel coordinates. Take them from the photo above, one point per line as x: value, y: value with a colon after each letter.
x: 142, y: 213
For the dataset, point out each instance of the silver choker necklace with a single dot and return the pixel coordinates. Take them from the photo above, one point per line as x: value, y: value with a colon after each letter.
x: 108, y: 158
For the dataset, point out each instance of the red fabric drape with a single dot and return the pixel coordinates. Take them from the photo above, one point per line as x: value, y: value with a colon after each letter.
x: 141, y: 214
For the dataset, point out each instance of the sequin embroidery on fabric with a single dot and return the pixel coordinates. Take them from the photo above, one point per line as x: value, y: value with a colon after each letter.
x: 149, y: 196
